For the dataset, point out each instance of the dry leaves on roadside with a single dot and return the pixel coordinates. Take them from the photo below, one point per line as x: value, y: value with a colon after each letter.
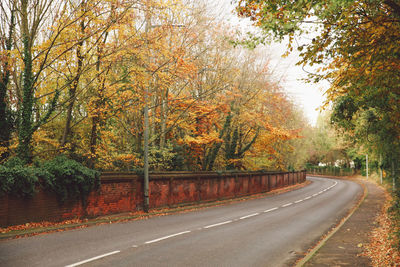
x: 34, y: 225
x: 381, y: 249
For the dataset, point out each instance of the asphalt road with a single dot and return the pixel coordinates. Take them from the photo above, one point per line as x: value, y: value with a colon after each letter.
x: 270, y: 231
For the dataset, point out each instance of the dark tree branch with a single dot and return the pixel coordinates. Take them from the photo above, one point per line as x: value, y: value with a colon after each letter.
x: 393, y: 5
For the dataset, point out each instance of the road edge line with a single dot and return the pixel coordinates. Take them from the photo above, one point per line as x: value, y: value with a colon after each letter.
x: 322, y: 242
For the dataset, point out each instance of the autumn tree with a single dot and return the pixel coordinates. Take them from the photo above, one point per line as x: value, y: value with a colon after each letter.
x: 38, y: 34
x: 79, y: 83
x: 6, y: 36
x: 357, y: 43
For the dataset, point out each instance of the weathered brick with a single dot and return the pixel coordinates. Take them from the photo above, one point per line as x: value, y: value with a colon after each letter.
x: 123, y: 192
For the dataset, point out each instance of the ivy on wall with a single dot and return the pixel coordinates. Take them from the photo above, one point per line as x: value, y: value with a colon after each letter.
x: 67, y: 178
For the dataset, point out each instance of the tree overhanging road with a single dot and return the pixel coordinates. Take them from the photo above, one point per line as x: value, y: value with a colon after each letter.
x: 270, y: 231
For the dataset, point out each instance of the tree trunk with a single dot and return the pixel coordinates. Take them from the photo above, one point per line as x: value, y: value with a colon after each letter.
x: 212, y: 154
x: 393, y: 175
x: 163, y: 114
x: 96, y: 115
x: 73, y: 89
x: 5, y: 112
x: 24, y: 149
x: 26, y: 125
x: 93, y: 142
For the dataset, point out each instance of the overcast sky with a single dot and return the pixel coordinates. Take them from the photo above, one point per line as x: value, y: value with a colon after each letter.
x: 309, y: 96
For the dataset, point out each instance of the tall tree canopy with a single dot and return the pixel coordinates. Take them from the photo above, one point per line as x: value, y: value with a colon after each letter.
x: 76, y: 76
x: 356, y: 45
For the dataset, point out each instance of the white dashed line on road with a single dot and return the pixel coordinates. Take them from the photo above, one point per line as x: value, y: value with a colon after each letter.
x: 248, y: 216
x: 166, y: 237
x: 265, y: 211
x: 217, y: 224
x: 93, y: 259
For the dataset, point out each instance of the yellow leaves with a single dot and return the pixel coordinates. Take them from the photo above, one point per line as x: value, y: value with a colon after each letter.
x: 204, y: 139
x: 106, y: 64
x: 43, y: 137
x: 45, y: 144
x: 3, y: 150
x: 382, y: 242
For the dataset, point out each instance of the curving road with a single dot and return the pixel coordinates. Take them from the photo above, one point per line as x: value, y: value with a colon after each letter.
x: 270, y: 231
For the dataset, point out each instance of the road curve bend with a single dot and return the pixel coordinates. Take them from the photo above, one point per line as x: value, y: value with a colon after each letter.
x: 270, y: 231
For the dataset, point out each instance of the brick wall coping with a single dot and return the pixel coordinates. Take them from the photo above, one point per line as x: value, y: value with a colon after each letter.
x: 127, y: 176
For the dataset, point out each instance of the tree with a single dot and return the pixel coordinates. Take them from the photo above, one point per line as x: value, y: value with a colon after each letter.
x: 39, y: 51
x: 6, y: 34
x: 81, y: 71
x: 29, y: 29
x: 357, y: 43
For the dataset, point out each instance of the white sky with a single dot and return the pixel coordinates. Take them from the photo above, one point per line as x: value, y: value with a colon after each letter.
x: 307, y: 95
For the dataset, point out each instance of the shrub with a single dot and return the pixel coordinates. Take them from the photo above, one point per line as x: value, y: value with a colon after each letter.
x: 65, y: 177
x: 6, y: 180
x: 69, y: 179
x: 17, y: 178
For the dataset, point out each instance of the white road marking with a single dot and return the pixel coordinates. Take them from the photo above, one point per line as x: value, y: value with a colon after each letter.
x: 320, y: 192
x: 248, y: 216
x: 134, y: 246
x: 271, y: 209
x: 298, y: 201
x: 217, y: 224
x: 93, y: 259
x: 307, y: 198
x: 288, y: 204
x: 314, y: 195
x: 165, y: 237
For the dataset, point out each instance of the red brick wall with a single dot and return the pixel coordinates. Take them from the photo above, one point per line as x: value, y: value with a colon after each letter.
x: 123, y: 192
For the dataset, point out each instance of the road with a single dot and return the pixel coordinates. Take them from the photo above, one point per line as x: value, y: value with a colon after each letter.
x: 269, y: 231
